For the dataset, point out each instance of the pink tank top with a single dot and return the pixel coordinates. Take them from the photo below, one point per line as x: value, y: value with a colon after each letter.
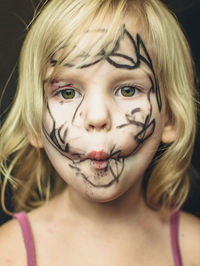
x: 30, y: 249
x: 28, y: 237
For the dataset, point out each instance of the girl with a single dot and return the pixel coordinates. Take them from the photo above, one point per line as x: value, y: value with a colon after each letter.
x: 97, y: 144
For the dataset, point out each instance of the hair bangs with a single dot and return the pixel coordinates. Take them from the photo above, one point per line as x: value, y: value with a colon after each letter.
x: 82, y: 40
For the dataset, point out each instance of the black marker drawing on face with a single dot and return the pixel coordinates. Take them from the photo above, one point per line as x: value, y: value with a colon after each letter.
x: 59, y: 143
x: 147, y: 127
x: 115, y: 172
x: 55, y: 134
x: 77, y: 110
x: 58, y: 136
x: 138, y: 47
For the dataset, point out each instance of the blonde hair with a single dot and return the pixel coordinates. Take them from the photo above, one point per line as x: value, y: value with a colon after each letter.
x: 60, y: 25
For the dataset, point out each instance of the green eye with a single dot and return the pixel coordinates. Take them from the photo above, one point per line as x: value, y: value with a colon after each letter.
x: 68, y: 94
x: 127, y: 91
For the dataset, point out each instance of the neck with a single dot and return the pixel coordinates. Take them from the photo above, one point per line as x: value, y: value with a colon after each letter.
x: 128, y: 206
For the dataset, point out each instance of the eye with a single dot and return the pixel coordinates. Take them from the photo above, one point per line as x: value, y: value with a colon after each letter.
x: 127, y: 91
x: 53, y: 62
x: 68, y: 94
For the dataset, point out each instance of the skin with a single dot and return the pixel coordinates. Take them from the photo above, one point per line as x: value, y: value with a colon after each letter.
x: 102, y: 116
x: 97, y: 221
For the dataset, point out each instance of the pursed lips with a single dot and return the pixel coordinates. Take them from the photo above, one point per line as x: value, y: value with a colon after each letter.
x: 99, y: 159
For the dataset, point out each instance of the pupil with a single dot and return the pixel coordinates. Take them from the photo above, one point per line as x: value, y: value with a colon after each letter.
x: 68, y: 94
x: 127, y: 91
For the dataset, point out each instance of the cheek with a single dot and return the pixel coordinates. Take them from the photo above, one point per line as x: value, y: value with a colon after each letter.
x: 57, y: 114
x: 58, y: 161
x: 127, y: 106
x: 47, y: 120
x: 143, y: 122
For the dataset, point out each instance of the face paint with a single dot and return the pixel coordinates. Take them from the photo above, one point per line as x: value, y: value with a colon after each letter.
x: 97, y: 156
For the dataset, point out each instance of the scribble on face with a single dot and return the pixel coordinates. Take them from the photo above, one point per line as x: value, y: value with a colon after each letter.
x: 143, y: 123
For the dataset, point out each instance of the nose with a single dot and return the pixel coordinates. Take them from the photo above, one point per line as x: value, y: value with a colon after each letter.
x: 97, y: 113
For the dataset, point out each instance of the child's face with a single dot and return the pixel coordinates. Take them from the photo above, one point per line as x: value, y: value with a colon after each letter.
x: 103, y: 123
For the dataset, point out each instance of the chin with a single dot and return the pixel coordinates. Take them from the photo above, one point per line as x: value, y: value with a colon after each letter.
x: 103, y: 195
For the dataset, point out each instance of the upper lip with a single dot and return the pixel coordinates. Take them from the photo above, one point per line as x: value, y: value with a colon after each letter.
x: 98, y: 155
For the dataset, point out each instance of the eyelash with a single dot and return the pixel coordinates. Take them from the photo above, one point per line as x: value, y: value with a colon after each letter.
x: 53, y: 62
x: 137, y: 90
x: 62, y: 89
x: 65, y: 88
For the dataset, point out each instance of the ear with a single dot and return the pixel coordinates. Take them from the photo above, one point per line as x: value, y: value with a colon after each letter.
x: 169, y: 132
x: 35, y: 142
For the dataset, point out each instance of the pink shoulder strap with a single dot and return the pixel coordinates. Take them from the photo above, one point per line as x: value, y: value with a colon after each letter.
x: 28, y: 237
x: 174, y: 228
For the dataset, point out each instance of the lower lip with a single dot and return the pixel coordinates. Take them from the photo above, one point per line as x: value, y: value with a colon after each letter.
x: 100, y: 164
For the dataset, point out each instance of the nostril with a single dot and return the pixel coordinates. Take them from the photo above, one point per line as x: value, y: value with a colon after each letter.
x: 91, y: 126
x: 98, y: 127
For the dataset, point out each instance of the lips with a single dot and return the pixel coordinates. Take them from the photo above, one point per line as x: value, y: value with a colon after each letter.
x: 98, y: 155
x: 99, y: 159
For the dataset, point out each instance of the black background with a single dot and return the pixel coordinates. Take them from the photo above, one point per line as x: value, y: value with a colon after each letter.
x: 16, y: 14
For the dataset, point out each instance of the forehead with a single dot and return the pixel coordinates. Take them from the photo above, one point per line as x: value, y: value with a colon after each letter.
x: 97, y: 43
x: 103, y: 36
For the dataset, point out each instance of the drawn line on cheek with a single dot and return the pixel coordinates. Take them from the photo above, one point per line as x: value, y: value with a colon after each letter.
x: 48, y: 109
x: 123, y: 125
x: 67, y: 147
x: 74, y: 167
x: 139, y: 139
x: 116, y: 165
x: 79, y: 155
x: 158, y: 96
x: 52, y: 135
x: 116, y: 152
x: 51, y: 138
x: 157, y: 91
x: 148, y: 118
x: 131, y: 122
x: 114, y: 176
x: 54, y: 142
x: 73, y: 118
x: 65, y: 133
x: 138, y: 109
x: 59, y: 135
x: 123, y: 164
x: 55, y: 136
x: 112, y: 149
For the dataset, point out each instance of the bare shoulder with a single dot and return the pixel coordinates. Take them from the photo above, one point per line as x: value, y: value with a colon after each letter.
x: 12, y: 249
x: 189, y: 236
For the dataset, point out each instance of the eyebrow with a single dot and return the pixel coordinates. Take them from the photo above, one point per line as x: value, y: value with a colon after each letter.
x: 66, y: 73
x: 140, y: 78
